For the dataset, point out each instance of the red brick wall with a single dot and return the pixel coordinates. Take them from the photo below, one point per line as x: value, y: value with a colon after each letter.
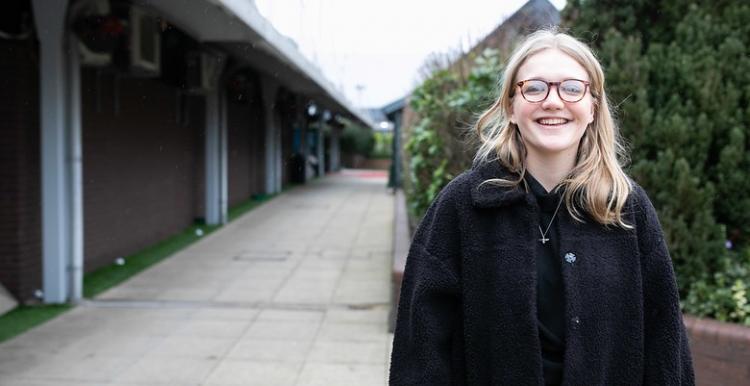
x: 287, y: 110
x: 257, y: 142
x: 721, y: 352
x: 142, y: 165
x: 245, y: 135
x: 20, y: 195
x: 238, y: 146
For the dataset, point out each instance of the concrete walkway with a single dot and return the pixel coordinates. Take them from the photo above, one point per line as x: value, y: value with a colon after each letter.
x: 296, y: 292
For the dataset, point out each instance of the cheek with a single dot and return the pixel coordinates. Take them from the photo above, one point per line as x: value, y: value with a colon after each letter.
x: 519, y: 112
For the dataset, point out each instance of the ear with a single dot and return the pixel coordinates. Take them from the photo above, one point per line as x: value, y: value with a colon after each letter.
x: 511, y: 116
x: 592, y: 114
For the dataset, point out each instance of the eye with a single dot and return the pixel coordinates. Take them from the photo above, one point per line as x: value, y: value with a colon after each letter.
x: 572, y: 87
x: 534, y: 87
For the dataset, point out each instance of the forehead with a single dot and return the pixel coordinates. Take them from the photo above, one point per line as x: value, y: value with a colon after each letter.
x: 551, y: 65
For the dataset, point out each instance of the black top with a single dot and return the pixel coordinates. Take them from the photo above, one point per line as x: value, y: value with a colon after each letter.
x: 550, y: 292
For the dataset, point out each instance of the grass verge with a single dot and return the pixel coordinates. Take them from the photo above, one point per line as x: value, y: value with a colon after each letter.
x: 107, y: 277
x: 24, y: 318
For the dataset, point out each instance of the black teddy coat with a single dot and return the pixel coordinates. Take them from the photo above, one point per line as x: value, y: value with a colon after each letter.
x: 467, y: 314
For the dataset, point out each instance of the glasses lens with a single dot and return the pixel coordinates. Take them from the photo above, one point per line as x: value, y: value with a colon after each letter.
x: 572, y: 90
x: 534, y: 90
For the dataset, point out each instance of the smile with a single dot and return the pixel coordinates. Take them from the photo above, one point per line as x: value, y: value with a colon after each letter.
x: 552, y: 121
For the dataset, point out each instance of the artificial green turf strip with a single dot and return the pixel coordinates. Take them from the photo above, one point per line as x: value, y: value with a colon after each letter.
x: 107, y: 277
x: 26, y: 317
x: 244, y: 207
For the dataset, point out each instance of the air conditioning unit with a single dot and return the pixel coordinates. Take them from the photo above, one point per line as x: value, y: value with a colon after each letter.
x: 202, y: 71
x: 89, y: 58
x: 92, y: 27
x: 145, y: 44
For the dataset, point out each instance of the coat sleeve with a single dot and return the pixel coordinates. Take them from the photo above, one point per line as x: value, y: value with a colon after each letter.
x: 666, y: 349
x: 429, y: 314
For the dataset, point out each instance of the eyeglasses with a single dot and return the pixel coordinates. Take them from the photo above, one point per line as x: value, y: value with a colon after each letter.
x: 537, y: 90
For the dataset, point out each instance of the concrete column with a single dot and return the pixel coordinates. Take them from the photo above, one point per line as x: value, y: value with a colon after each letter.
x: 56, y: 194
x: 224, y: 159
x: 216, y: 160
x: 321, y: 147
x: 333, y: 149
x: 216, y: 150
x: 273, y: 136
x: 76, y: 172
x: 279, y: 150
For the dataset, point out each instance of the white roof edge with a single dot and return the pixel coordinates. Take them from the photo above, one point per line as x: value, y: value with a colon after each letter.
x: 246, y: 11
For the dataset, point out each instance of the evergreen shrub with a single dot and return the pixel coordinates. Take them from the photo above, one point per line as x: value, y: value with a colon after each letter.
x: 679, y: 73
x: 445, y: 104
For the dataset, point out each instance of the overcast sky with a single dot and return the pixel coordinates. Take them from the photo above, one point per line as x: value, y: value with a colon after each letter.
x: 380, y: 45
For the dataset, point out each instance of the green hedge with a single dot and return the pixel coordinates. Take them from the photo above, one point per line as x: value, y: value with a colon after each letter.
x: 437, y: 146
x: 680, y: 73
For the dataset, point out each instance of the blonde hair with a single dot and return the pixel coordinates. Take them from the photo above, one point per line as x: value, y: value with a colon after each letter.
x: 597, y: 183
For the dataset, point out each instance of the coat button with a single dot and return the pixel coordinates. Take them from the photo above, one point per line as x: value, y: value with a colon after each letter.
x: 575, y: 322
x: 570, y: 257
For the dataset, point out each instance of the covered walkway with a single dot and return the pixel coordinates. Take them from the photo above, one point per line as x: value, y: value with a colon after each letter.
x: 296, y: 292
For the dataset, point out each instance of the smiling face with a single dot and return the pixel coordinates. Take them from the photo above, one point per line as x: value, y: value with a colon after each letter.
x: 552, y: 127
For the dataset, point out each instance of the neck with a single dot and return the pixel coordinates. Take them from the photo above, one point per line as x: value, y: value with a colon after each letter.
x: 550, y: 169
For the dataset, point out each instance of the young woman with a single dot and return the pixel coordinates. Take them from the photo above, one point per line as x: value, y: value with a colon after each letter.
x: 544, y: 263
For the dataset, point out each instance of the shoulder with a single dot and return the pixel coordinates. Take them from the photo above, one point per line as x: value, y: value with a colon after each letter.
x: 647, y: 225
x: 459, y: 188
x: 469, y: 189
x: 641, y: 204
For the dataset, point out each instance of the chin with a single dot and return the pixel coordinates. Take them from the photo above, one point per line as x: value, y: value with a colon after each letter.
x: 555, y: 147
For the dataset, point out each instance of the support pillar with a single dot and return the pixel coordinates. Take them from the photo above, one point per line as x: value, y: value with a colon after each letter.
x: 216, y: 151
x: 334, y: 148
x: 273, y: 136
x: 60, y: 156
x: 321, y: 147
x: 76, y: 172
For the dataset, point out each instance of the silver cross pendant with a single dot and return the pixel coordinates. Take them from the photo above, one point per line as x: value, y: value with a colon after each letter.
x: 544, y: 240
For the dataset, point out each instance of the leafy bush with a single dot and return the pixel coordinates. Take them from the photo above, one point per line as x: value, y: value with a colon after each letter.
x: 436, y: 146
x: 356, y: 139
x: 383, y: 145
x: 679, y: 72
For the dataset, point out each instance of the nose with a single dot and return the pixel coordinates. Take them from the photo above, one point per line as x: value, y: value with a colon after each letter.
x: 553, y: 101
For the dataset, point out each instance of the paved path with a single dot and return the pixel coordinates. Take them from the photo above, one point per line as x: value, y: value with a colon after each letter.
x: 296, y: 292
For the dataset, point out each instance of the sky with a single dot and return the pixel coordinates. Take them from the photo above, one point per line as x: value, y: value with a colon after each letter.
x: 372, y: 50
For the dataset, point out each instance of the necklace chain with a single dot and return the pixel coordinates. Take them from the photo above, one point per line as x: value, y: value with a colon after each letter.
x: 544, y: 238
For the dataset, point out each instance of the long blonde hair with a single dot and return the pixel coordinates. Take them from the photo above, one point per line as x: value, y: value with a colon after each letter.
x: 597, y: 184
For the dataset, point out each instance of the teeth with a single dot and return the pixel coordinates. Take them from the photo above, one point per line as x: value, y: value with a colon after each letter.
x: 552, y: 121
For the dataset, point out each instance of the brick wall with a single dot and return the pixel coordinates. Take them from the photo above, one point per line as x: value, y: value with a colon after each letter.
x: 20, y: 210
x: 245, y: 135
x: 257, y: 140
x: 287, y: 109
x: 721, y: 352
x: 238, y: 147
x: 142, y: 164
